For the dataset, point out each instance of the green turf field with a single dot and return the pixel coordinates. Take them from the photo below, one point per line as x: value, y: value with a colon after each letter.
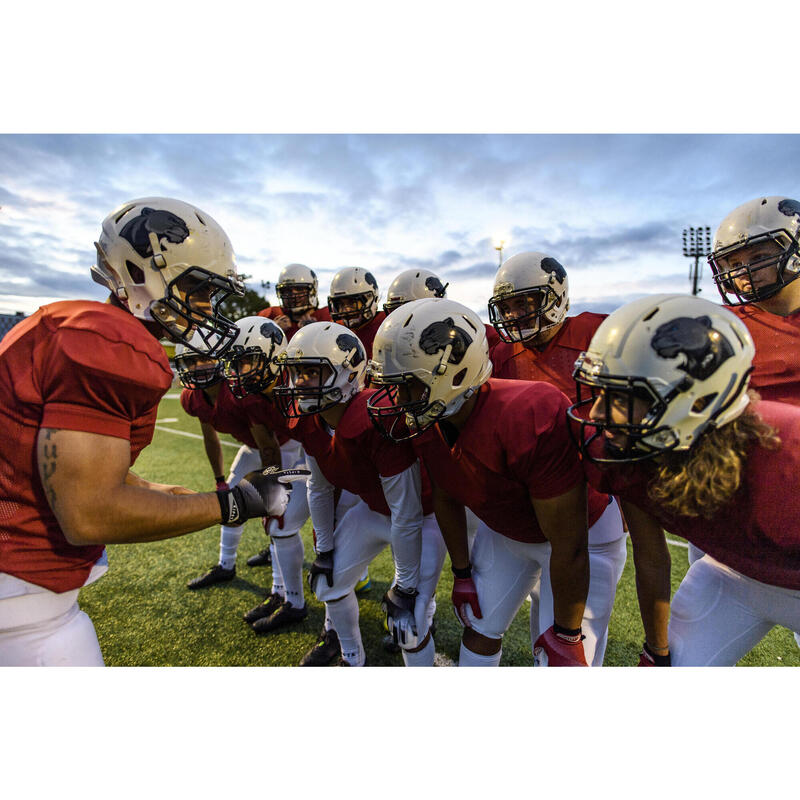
x: 145, y: 616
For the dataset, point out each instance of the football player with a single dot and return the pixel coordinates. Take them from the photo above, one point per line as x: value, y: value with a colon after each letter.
x: 297, y: 292
x: 539, y: 342
x: 502, y: 449
x: 322, y: 391
x: 251, y: 373
x: 80, y: 383
x: 353, y: 302
x: 670, y: 428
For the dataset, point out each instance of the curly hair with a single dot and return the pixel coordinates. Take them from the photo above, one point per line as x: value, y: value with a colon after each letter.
x: 701, y: 481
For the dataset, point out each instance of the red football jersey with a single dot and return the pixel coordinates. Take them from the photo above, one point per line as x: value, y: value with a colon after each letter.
x: 366, y: 333
x: 492, y: 336
x: 776, y: 366
x: 356, y: 456
x: 75, y: 365
x: 271, y: 312
x: 758, y: 532
x: 227, y: 415
x: 262, y: 410
x: 555, y: 362
x: 514, y: 446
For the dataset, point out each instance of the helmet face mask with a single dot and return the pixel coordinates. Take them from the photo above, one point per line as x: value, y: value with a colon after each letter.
x: 353, y: 298
x: 307, y: 386
x: 756, y: 250
x: 400, y: 409
x: 250, y: 363
x: 166, y: 261
x: 197, y: 370
x: 297, y: 290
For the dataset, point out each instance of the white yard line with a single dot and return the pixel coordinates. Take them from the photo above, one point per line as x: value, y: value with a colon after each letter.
x: 167, y: 419
x: 195, y: 436
x: 678, y: 544
x: 171, y: 397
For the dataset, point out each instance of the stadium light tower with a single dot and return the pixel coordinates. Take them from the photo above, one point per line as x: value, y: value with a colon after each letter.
x: 696, y: 245
x: 498, y: 245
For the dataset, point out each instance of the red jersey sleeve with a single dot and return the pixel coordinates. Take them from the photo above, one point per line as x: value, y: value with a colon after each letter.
x: 94, y: 384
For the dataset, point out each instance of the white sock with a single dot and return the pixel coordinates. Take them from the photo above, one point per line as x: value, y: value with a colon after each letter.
x: 277, y: 577
x: 344, y: 617
x: 228, y: 545
x: 422, y: 658
x: 288, y: 551
x: 466, y: 658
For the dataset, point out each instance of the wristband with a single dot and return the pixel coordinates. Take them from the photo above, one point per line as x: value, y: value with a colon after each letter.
x: 219, y: 478
x: 464, y: 572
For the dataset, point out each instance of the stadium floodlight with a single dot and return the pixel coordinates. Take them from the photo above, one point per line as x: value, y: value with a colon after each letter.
x: 499, y: 244
x: 696, y: 245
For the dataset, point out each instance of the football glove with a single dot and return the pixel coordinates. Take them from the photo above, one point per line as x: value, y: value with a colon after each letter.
x: 649, y: 659
x: 222, y: 485
x: 559, y: 650
x: 465, y: 594
x: 323, y: 565
x: 258, y: 494
x: 398, y: 605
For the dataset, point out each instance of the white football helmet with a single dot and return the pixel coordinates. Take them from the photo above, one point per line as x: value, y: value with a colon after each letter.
x: 353, y: 298
x: 167, y: 261
x: 531, y: 295
x: 440, y: 343
x: 196, y: 369
x: 770, y: 221
x: 324, y: 365
x: 250, y: 364
x: 688, y: 360
x: 297, y: 290
x: 413, y: 284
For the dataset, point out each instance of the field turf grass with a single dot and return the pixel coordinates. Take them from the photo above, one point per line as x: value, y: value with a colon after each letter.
x: 145, y: 616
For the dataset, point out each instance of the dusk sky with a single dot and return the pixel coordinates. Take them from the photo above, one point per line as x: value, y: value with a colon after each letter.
x: 611, y: 208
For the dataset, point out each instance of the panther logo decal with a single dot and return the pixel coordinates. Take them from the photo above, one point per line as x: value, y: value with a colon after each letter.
x: 434, y: 285
x: 269, y: 330
x: 703, y: 347
x: 346, y: 342
x: 554, y: 268
x: 438, y: 335
x: 789, y: 207
x: 164, y: 224
x: 371, y: 280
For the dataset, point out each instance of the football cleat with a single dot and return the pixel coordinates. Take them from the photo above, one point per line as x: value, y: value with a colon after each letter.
x: 363, y: 586
x: 261, y: 559
x: 217, y: 574
x: 324, y: 650
x: 286, y: 614
x: 265, y: 609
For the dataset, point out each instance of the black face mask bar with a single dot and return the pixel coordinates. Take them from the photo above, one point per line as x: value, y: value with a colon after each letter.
x: 347, y: 317
x: 295, y: 298
x: 388, y: 414
x: 247, y: 371
x: 180, y: 317
x: 287, y: 396
x: 725, y: 278
x: 195, y: 377
x: 511, y: 330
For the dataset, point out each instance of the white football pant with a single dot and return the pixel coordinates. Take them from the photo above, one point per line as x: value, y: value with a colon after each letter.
x: 718, y: 615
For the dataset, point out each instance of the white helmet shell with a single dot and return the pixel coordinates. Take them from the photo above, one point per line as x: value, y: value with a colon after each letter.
x: 357, y: 285
x: 251, y: 361
x: 413, y: 284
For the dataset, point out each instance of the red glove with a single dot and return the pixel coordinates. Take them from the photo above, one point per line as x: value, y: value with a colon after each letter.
x: 465, y: 594
x: 222, y: 485
x: 265, y: 522
x: 649, y: 659
x: 559, y: 650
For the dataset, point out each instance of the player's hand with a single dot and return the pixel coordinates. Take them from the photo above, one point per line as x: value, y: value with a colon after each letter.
x: 465, y: 594
x: 559, y: 650
x: 323, y: 565
x: 265, y: 521
x: 398, y: 605
x: 283, y: 322
x: 306, y: 319
x: 259, y: 494
x: 647, y: 658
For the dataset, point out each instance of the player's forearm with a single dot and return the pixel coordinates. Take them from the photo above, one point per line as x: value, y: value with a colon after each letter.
x: 214, y: 453
x: 653, y: 590
x: 569, y: 578
x: 135, y: 514
x: 268, y: 447
x: 452, y: 520
x: 403, y: 496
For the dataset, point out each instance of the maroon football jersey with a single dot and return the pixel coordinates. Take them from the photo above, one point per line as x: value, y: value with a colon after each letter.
x: 758, y: 532
x: 776, y: 366
x: 271, y: 312
x: 261, y: 410
x: 226, y: 415
x: 555, y: 362
x: 514, y: 446
x: 75, y: 365
x: 357, y: 456
x: 366, y: 333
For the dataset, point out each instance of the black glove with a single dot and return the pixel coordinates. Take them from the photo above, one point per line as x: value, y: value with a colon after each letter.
x: 323, y: 565
x: 398, y: 605
x: 258, y: 494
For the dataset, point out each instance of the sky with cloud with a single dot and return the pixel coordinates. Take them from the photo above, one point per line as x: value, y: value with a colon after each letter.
x: 611, y: 208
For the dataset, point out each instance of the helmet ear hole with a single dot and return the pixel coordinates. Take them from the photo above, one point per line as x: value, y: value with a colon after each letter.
x: 459, y: 377
x: 136, y: 272
x: 703, y: 402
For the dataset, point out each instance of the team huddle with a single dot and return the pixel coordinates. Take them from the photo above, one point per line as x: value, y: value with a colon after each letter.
x: 527, y: 450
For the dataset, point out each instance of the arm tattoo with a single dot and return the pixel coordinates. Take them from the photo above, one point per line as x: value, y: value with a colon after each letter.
x: 48, y: 467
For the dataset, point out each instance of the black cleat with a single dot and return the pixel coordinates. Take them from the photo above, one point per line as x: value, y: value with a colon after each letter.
x: 217, y: 574
x: 323, y: 652
x: 286, y: 614
x: 262, y: 610
x: 262, y: 559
